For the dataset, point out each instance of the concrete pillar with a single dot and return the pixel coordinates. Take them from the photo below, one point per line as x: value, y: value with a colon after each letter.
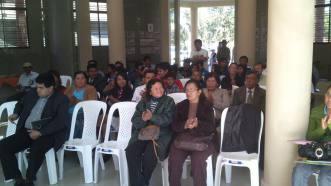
x: 165, y: 42
x: 116, y: 31
x: 194, y: 24
x: 245, y: 30
x: 84, y: 34
x: 177, y: 31
x: 61, y: 41
x: 290, y: 52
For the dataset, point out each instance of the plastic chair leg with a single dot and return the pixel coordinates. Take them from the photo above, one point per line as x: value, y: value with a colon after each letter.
x: 96, y: 165
x: 88, y: 167
x: 210, y: 177
x: 80, y: 158
x: 218, y: 172
x: 102, y: 163
x: 228, y: 172
x: 165, y: 172
x: 20, y: 161
x: 254, y: 173
x: 184, y: 174
x: 60, y: 156
x: 51, y: 166
x: 115, y: 160
x: 123, y: 168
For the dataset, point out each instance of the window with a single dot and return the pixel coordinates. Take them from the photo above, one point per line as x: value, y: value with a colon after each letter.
x: 98, y: 19
x: 74, y: 14
x: 13, y: 24
x: 43, y: 23
x: 322, y: 21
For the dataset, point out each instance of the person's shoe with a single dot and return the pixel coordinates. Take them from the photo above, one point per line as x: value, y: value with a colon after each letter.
x: 29, y: 183
x: 19, y: 182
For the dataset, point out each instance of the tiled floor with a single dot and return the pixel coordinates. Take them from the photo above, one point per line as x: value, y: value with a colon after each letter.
x: 74, y: 176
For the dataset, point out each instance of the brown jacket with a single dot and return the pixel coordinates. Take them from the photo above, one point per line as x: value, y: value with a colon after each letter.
x: 221, y: 100
x: 90, y: 94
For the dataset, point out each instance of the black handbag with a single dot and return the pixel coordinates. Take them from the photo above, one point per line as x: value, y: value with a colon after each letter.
x: 186, y: 141
x: 315, y: 151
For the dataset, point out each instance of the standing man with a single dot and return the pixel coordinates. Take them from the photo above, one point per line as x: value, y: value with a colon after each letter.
x: 50, y: 109
x: 200, y: 55
x: 223, y: 51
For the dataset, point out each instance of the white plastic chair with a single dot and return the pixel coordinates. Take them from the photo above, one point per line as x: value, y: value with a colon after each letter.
x: 178, y: 97
x: 117, y: 148
x: 64, y: 79
x: 239, y: 159
x: 84, y: 146
x: 184, y: 81
x: 11, y: 127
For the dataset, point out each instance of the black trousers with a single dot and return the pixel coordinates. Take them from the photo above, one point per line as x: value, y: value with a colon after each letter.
x: 141, y: 162
x: 17, y: 143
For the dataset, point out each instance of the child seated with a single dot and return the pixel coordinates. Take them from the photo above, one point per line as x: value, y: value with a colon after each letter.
x: 171, y: 86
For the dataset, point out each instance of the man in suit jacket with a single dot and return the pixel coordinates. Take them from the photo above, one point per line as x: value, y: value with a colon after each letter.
x: 42, y: 103
x: 251, y: 93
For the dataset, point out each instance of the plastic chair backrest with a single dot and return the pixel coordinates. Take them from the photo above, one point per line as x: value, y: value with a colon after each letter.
x: 178, y: 97
x: 64, y: 79
x: 9, y: 107
x: 184, y: 81
x: 224, y: 114
x: 126, y: 110
x: 91, y: 110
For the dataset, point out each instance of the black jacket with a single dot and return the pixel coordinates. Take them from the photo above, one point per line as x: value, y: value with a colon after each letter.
x: 56, y: 108
x: 241, y: 130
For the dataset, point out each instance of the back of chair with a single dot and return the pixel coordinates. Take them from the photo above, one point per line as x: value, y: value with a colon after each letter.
x: 91, y: 110
x: 224, y: 114
x: 64, y: 80
x: 184, y: 81
x: 9, y: 107
x: 126, y: 110
x: 178, y: 97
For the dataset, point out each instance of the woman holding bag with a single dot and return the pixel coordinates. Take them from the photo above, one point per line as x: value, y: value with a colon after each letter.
x: 194, y: 135
x: 147, y: 146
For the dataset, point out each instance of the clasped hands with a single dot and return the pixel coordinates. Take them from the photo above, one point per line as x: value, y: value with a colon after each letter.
x: 325, y: 122
x: 147, y: 115
x: 191, y: 123
x: 34, y: 134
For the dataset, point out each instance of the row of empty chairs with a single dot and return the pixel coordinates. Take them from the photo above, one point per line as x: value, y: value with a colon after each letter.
x: 84, y: 146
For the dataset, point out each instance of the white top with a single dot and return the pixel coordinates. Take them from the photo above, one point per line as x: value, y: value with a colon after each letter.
x: 137, y: 93
x: 247, y: 93
x: 28, y: 80
x: 201, y: 52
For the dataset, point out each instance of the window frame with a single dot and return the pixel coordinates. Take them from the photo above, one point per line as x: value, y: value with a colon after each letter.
x: 324, y: 5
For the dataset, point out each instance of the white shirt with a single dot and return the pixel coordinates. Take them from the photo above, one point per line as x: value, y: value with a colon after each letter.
x: 201, y: 52
x: 28, y: 80
x: 137, y: 93
x: 247, y: 93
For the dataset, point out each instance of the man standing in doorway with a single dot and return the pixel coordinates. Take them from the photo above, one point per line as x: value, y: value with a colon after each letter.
x: 199, y: 55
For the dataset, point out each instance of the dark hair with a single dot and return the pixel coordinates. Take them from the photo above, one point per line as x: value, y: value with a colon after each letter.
x: 250, y: 72
x: 171, y: 74
x: 112, y: 66
x: 80, y: 72
x: 244, y: 57
x: 197, y: 41
x: 148, y: 72
x: 92, y: 62
x: 57, y: 75
x: 124, y: 77
x: 163, y: 66
x: 199, y: 87
x: 149, y: 86
x: 91, y: 66
x: 222, y: 59
x: 47, y: 79
x: 147, y: 58
x: 214, y: 75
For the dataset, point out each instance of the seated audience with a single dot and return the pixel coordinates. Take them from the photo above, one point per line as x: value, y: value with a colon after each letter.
x: 147, y: 63
x: 80, y: 91
x: 95, y: 63
x: 40, y: 103
x: 243, y: 61
x: 318, y: 130
x: 220, y: 98
x: 58, y: 83
x: 195, y: 117
x: 223, y: 66
x: 27, y: 80
x: 142, y: 155
x: 171, y: 86
x: 196, y: 75
x: 95, y: 79
x: 251, y: 93
x: 185, y: 71
x: 162, y: 70
x: 120, y: 67
x: 122, y: 90
x: 232, y: 78
x: 109, y: 78
x: 139, y: 92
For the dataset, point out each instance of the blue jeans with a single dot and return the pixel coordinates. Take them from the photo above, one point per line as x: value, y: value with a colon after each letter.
x: 302, y: 172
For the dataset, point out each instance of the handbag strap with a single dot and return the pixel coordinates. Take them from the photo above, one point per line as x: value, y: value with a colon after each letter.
x: 155, y: 150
